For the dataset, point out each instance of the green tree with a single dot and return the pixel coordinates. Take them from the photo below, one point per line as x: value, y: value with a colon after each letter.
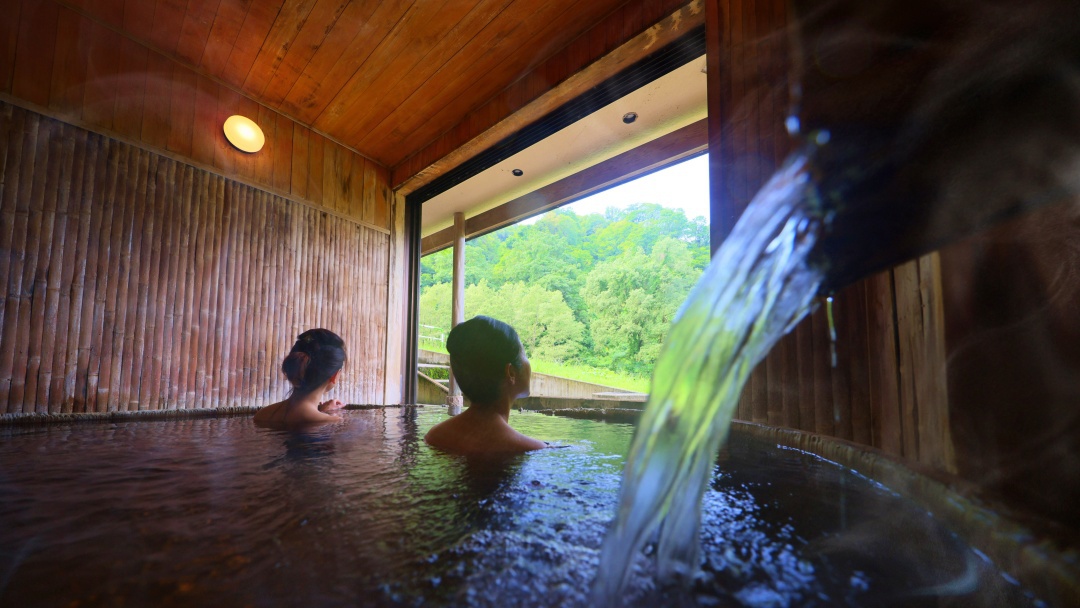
x: 437, y: 268
x: 539, y: 257
x: 542, y: 319
x: 632, y: 301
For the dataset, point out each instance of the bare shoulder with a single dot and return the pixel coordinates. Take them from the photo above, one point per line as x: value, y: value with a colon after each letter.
x: 268, y: 413
x: 527, y: 443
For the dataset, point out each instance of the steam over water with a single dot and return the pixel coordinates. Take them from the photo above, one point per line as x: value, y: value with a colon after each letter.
x: 758, y: 286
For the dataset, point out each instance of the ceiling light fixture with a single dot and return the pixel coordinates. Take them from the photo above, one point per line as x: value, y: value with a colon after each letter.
x: 518, y: 172
x: 243, y: 133
x: 629, y: 117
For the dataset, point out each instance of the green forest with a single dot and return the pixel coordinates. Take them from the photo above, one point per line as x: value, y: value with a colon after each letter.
x: 583, y: 290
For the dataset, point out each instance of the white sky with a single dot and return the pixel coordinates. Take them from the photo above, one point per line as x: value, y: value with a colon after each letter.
x: 683, y: 186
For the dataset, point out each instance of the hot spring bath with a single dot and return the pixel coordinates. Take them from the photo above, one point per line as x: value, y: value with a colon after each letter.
x: 218, y: 512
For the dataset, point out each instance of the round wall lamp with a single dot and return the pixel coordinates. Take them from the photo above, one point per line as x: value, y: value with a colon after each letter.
x: 243, y: 133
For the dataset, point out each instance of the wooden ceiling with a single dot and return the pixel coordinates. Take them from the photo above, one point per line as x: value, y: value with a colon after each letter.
x: 385, y: 77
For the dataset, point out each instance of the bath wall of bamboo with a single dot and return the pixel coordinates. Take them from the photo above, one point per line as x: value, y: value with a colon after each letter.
x: 56, y: 60
x: 133, y: 281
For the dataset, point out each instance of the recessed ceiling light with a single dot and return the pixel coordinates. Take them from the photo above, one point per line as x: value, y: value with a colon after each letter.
x: 243, y: 133
x: 518, y: 172
x: 629, y: 117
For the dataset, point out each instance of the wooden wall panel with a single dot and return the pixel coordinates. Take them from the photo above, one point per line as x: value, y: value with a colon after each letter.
x: 63, y: 63
x: 888, y: 387
x: 133, y: 281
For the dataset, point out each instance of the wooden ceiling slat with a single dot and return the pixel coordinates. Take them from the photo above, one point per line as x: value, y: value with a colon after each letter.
x: 419, y: 29
x: 139, y: 17
x: 102, y: 72
x: 482, y: 55
x: 168, y: 22
x: 410, y: 70
x: 109, y: 11
x: 196, y: 30
x: 317, y: 30
x: 290, y: 20
x: 389, y: 78
x: 227, y: 23
x: 260, y: 18
x: 437, y: 106
x: 332, y: 65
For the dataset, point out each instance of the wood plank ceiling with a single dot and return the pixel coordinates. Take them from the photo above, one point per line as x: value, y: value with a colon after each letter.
x: 385, y: 77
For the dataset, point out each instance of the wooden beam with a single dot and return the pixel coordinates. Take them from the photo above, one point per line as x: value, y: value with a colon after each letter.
x: 457, y: 307
x: 656, y: 154
x: 664, y: 32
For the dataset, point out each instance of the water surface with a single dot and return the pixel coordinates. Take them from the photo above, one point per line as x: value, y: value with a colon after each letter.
x: 220, y: 512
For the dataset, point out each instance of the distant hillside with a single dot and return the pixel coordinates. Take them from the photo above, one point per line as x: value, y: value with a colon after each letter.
x: 596, y: 290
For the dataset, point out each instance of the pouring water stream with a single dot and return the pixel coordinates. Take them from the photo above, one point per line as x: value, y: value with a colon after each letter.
x: 757, y: 288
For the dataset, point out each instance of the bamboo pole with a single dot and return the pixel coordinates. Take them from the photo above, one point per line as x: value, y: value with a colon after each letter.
x: 13, y: 234
x: 263, y: 288
x: 146, y: 322
x: 119, y: 381
x: 251, y: 367
x: 228, y: 315
x: 197, y: 374
x: 86, y: 369
x: 221, y: 313
x: 130, y: 357
x: 42, y: 337
x: 31, y: 308
x: 178, y: 184
x: 272, y: 335
x: 185, y: 383
x: 248, y: 340
x: 212, y: 335
x: 379, y: 315
x: 289, y: 244
x: 113, y: 237
x: 49, y: 395
x: 75, y: 263
x: 243, y: 349
x: 150, y: 393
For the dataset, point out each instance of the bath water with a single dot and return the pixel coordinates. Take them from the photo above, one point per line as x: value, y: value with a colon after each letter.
x: 218, y: 512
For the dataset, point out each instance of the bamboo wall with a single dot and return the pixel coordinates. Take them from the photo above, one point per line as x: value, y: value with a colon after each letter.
x: 60, y: 62
x: 133, y: 281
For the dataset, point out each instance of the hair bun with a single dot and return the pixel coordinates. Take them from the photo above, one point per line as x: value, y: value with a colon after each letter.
x: 295, y: 367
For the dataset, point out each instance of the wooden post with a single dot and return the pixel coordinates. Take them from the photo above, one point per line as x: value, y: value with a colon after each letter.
x: 454, y: 398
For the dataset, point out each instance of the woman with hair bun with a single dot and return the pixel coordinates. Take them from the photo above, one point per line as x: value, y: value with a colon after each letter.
x: 312, y: 367
x: 490, y: 366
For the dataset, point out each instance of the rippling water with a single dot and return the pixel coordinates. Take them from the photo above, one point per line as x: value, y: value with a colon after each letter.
x: 219, y: 512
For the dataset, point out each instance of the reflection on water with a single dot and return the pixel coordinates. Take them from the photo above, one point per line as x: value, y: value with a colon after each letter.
x: 219, y: 512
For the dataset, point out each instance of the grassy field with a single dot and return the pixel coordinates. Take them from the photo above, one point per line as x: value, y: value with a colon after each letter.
x: 583, y: 373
